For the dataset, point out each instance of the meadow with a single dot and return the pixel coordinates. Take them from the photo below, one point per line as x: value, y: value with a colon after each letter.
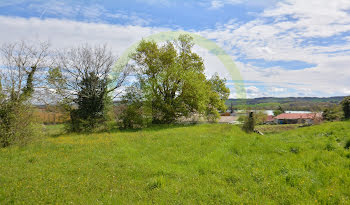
x: 197, y: 164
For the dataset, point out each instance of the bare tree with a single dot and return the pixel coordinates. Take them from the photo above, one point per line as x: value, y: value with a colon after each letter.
x: 22, y: 64
x: 83, y: 78
x: 22, y: 69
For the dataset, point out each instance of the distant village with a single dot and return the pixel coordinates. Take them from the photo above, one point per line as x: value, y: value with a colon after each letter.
x: 289, y: 117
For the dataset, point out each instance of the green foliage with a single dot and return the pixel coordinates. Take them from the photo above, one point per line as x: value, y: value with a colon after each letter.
x: 56, y: 79
x: 168, y: 164
x: 92, y: 104
x: 347, y: 144
x: 217, y: 96
x: 16, y: 124
x: 332, y: 113
x: 259, y: 118
x: 249, y: 124
x: 82, y: 81
x: 17, y: 85
x: 279, y: 111
x: 134, y: 114
x: 346, y: 107
x: 173, y: 82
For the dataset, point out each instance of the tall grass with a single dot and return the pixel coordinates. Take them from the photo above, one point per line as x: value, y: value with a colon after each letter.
x: 211, y: 164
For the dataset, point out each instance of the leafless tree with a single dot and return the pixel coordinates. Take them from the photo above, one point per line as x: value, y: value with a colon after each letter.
x: 22, y: 67
x: 77, y: 64
x: 83, y: 77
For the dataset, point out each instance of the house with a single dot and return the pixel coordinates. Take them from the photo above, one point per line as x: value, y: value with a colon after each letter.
x: 298, y: 118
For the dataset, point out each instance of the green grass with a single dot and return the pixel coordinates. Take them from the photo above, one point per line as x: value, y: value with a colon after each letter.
x: 205, y: 164
x: 270, y: 129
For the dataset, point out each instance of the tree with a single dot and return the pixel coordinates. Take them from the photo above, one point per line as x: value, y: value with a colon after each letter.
x: 279, y: 111
x: 259, y: 118
x: 332, y: 113
x: 346, y: 107
x: 20, y: 78
x: 249, y: 123
x: 134, y: 114
x: 173, y: 82
x: 22, y: 62
x: 82, y: 79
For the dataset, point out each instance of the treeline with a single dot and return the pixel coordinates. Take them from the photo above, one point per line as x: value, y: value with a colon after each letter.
x: 313, y: 104
x: 168, y: 83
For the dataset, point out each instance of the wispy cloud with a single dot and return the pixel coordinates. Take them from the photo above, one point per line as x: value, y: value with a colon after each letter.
x: 314, y: 33
x: 293, y: 31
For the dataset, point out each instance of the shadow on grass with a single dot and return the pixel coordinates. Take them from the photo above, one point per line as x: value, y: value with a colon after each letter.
x: 153, y: 127
x: 55, y: 131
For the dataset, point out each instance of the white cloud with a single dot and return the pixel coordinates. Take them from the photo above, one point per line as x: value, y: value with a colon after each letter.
x: 277, y: 89
x: 281, y: 33
x: 65, y: 33
x: 216, y: 4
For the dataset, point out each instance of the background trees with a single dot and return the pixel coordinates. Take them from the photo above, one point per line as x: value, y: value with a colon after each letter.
x: 173, y: 82
x: 346, y: 107
x: 333, y: 113
x: 82, y: 79
x: 279, y: 111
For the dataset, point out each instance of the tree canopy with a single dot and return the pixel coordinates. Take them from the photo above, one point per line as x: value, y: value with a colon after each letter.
x: 171, y: 77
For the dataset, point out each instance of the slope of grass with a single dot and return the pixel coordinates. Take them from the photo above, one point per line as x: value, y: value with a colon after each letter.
x: 211, y: 164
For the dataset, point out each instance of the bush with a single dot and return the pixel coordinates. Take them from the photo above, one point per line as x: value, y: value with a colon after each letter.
x: 347, y: 144
x: 133, y: 117
x: 132, y: 113
x: 294, y: 150
x: 16, y: 124
x: 330, y: 147
x: 249, y: 123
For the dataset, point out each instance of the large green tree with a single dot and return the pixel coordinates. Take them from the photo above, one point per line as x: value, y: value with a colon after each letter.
x: 173, y: 82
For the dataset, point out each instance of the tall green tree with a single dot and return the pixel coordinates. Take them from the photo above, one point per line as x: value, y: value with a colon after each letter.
x: 173, y: 82
x: 346, y: 107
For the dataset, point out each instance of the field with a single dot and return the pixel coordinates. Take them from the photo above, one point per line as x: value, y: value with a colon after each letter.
x: 200, y: 164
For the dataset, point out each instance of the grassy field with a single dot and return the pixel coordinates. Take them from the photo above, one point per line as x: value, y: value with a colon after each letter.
x: 205, y: 164
x: 269, y: 129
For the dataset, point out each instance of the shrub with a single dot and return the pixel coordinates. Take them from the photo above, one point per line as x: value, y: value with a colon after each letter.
x: 249, y: 123
x: 330, y: 147
x: 132, y: 117
x: 132, y: 113
x: 294, y: 150
x: 347, y: 144
x: 16, y: 124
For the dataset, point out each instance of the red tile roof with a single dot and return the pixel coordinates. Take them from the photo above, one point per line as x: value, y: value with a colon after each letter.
x: 292, y: 116
x: 270, y: 118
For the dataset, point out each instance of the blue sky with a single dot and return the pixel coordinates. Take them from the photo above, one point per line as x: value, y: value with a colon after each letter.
x: 282, y: 48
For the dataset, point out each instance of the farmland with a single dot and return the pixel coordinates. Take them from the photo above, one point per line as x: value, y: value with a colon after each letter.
x: 208, y: 163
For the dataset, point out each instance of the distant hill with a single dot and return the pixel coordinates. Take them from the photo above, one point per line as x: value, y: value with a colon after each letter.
x: 290, y: 103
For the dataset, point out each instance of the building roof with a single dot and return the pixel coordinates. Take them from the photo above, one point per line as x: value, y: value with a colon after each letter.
x: 270, y: 118
x: 292, y: 116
